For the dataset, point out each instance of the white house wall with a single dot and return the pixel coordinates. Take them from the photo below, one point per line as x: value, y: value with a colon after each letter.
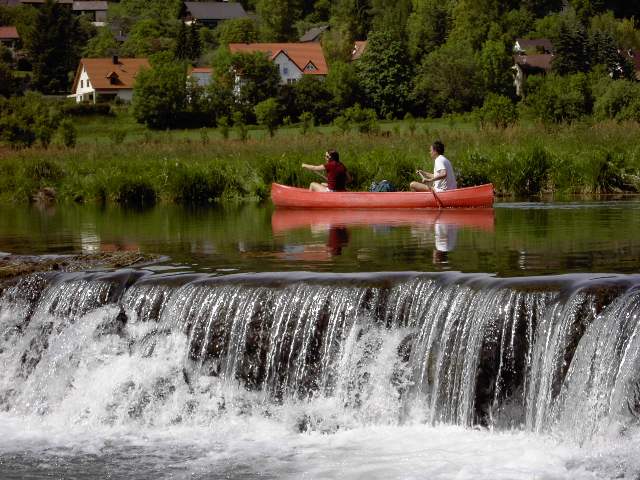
x: 289, y: 71
x: 84, y: 89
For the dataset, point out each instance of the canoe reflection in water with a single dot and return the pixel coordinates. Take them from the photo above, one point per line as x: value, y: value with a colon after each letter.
x: 441, y: 227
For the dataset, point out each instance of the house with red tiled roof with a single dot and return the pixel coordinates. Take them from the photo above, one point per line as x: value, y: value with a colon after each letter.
x: 106, y: 78
x: 293, y: 59
x: 531, y: 57
x: 9, y: 37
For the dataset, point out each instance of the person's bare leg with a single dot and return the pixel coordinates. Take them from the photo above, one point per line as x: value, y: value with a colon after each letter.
x: 419, y: 187
x: 318, y: 187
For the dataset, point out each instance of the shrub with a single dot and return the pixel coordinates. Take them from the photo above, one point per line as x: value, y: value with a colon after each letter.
x: 68, y: 133
x: 85, y: 109
x: 136, y: 193
x: 223, y: 127
x: 364, y: 119
x: 498, y: 111
x: 306, y: 122
x: 117, y: 136
x: 556, y: 99
x: 616, y: 99
x: 238, y: 122
x: 342, y: 123
x: 43, y: 170
x: 267, y: 114
x: 475, y: 170
x: 411, y: 123
x: 196, y: 186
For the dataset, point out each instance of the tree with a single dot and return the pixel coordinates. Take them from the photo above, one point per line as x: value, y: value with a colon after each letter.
x: 541, y: 8
x: 149, y: 36
x: 343, y: 84
x: 237, y: 30
x: 448, y: 80
x: 7, y: 82
x: 384, y: 72
x: 103, y: 44
x: 559, y: 99
x: 53, y: 46
x: 391, y: 17
x: 181, y: 51
x: 277, y: 19
x: 311, y: 95
x: 268, y: 114
x: 160, y: 10
x: 23, y: 120
x: 352, y: 18
x: 495, y: 66
x: 498, y: 111
x: 427, y: 27
x: 604, y: 51
x: 195, y: 47
x: 571, y: 53
x: 252, y: 76
x: 160, y: 95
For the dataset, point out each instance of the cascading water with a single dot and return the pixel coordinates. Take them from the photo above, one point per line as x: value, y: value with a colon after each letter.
x: 323, y: 353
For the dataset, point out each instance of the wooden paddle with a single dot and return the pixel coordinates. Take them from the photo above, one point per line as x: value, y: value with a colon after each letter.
x: 432, y: 190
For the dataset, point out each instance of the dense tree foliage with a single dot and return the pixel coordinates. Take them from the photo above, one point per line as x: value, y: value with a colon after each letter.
x: 385, y: 74
x: 423, y: 57
x: 54, y: 46
x: 160, y: 94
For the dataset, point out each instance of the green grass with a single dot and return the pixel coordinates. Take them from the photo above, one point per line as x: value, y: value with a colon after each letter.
x: 119, y: 160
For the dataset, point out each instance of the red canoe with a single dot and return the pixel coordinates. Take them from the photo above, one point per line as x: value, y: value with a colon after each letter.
x: 471, y: 197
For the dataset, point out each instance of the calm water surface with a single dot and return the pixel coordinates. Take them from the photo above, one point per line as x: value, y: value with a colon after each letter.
x: 512, y: 239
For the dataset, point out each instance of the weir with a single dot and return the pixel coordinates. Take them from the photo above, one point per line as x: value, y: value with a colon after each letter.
x: 545, y: 354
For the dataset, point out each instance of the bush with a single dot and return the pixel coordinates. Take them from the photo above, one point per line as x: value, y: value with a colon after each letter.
x: 223, y: 127
x: 364, y: 119
x: 68, y: 133
x: 117, y: 136
x: 43, y: 170
x: 556, y: 99
x: 306, y: 120
x: 411, y: 123
x: 238, y: 122
x: 617, y: 99
x: 267, y: 114
x: 27, y: 119
x: 86, y: 109
x: 136, y: 193
x: 196, y: 186
x: 498, y: 111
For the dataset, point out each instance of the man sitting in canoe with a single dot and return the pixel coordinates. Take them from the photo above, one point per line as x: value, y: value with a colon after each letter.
x: 443, y: 177
x: 337, y: 175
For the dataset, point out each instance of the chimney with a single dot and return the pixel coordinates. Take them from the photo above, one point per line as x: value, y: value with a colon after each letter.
x: 115, y: 59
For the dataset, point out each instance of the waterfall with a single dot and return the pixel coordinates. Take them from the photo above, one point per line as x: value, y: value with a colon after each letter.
x: 545, y: 354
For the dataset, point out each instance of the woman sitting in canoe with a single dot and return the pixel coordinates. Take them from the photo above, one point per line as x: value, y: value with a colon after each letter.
x: 337, y: 175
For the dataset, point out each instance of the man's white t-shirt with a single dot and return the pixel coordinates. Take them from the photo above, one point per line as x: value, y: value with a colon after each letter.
x: 447, y: 183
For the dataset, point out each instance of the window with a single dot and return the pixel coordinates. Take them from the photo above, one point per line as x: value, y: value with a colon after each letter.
x: 310, y: 67
x: 291, y: 80
x: 81, y: 83
x: 285, y: 70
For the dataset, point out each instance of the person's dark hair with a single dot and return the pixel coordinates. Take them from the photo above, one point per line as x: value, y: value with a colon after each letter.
x: 438, y: 146
x: 333, y: 155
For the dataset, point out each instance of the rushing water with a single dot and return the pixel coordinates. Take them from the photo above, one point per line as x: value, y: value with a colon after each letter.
x: 202, y: 368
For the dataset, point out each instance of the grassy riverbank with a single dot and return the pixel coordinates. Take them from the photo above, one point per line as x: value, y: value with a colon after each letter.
x: 116, y: 160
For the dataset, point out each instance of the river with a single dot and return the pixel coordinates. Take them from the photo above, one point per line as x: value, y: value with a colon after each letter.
x: 500, y: 343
